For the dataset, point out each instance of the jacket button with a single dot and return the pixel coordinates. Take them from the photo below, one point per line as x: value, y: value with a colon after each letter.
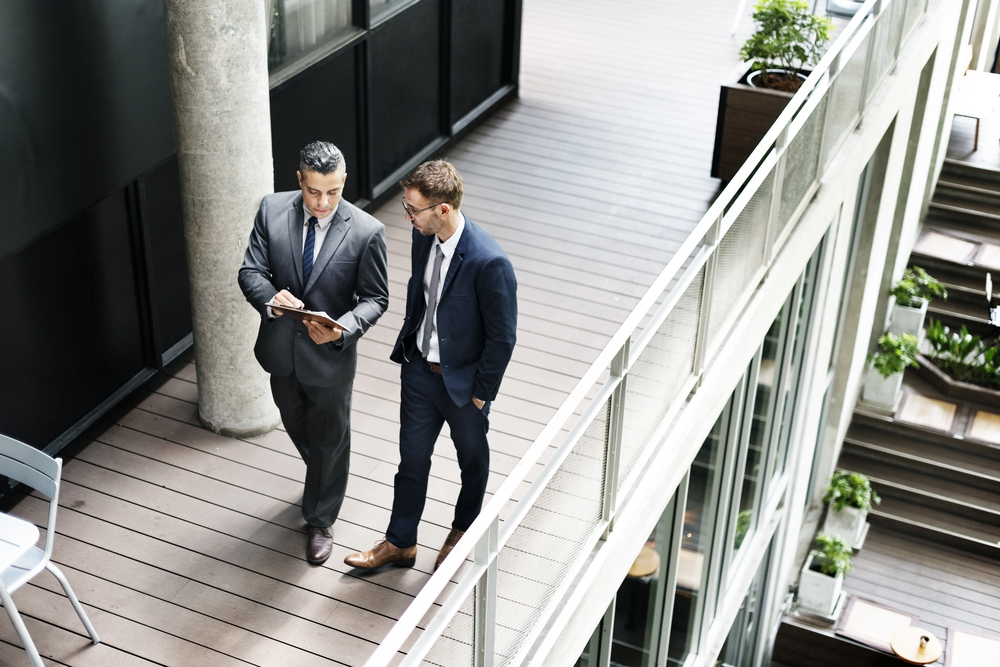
x: 298, y: 335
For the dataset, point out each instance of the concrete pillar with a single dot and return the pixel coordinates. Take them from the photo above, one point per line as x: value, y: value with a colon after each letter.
x: 217, y: 51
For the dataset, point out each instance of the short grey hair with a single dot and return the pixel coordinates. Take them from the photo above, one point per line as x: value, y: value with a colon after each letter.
x: 321, y: 157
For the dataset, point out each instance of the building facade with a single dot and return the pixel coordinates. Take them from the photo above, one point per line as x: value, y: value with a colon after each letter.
x: 668, y: 527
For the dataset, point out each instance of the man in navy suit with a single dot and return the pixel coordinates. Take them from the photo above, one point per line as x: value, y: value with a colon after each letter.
x: 455, y: 344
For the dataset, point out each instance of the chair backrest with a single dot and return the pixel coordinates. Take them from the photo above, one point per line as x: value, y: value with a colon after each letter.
x: 25, y: 464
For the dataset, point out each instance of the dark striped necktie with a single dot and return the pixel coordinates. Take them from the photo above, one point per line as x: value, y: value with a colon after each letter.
x: 307, y: 251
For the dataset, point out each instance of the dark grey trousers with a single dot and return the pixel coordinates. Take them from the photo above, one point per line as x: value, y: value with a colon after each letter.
x: 318, y: 420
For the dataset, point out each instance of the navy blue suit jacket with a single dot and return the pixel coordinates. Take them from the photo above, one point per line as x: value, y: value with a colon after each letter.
x: 476, y: 317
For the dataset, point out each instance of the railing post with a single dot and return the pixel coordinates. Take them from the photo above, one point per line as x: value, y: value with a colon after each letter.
x: 613, y: 442
x: 486, y: 595
x: 712, y: 239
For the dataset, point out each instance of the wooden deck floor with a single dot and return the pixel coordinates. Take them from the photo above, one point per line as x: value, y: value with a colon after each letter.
x: 187, y: 547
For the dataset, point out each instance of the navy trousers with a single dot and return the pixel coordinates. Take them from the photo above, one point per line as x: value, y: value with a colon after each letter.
x: 424, y: 407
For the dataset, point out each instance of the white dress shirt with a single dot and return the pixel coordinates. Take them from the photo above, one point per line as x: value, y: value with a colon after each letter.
x: 448, y: 251
x: 322, y: 227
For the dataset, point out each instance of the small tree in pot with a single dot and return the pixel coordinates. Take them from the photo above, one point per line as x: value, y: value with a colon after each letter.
x: 884, y: 378
x: 822, y: 575
x: 912, y: 293
x: 788, y: 38
x: 850, y: 497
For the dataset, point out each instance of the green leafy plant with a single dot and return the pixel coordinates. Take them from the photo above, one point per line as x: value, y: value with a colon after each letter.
x: 964, y: 356
x: 834, y: 555
x: 917, y: 286
x: 850, y: 489
x: 743, y: 520
x: 788, y: 37
x: 894, y: 354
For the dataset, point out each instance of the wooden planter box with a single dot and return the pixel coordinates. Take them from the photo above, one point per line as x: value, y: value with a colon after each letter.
x: 952, y: 387
x: 745, y: 116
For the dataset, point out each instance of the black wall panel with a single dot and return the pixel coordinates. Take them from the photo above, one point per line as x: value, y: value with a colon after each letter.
x: 73, y: 337
x: 477, y: 50
x: 405, y: 87
x: 321, y: 103
x: 170, y: 297
x: 84, y: 107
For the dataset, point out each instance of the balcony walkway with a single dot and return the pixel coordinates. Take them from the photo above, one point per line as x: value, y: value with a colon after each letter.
x: 187, y: 547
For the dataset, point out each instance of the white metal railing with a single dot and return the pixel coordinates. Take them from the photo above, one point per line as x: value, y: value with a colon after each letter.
x: 522, y: 565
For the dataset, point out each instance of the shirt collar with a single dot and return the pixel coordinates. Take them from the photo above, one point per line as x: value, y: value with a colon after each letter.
x: 448, y: 247
x: 322, y: 223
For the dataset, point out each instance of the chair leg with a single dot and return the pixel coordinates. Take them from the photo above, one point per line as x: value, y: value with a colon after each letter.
x: 57, y: 573
x: 22, y: 632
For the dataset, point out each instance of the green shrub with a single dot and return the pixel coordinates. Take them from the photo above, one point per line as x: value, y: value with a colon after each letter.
x: 894, y: 354
x: 963, y: 356
x: 835, y: 555
x: 917, y: 286
x: 788, y: 36
x: 850, y: 489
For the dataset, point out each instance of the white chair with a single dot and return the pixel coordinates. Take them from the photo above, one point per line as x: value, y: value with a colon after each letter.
x: 25, y: 464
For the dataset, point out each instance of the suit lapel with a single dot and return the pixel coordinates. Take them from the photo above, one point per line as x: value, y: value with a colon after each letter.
x: 334, y: 237
x: 456, y: 260
x: 295, y: 236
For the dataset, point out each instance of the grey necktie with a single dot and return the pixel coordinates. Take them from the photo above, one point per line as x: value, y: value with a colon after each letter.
x: 432, y: 300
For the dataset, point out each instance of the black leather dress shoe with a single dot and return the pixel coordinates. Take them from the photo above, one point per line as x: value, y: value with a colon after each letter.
x: 320, y: 545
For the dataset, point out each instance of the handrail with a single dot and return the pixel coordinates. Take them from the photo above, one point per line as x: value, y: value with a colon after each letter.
x: 490, y: 515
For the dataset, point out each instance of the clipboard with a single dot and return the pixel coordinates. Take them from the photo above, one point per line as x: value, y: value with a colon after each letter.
x: 303, y: 315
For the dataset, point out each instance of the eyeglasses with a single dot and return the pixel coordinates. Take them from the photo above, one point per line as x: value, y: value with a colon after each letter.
x: 410, y: 213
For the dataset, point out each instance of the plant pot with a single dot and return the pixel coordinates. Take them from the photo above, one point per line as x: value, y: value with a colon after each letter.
x: 848, y: 523
x: 882, y: 392
x: 745, y: 115
x: 818, y: 592
x: 906, y: 319
x: 754, y: 78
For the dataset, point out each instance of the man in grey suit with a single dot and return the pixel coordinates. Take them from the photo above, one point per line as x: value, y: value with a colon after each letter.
x: 311, y: 249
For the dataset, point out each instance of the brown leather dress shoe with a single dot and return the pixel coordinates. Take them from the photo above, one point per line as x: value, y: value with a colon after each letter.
x: 453, y: 537
x: 382, y: 553
x: 320, y: 545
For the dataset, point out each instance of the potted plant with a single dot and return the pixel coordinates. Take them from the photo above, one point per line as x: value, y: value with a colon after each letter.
x: 823, y: 574
x: 850, y: 497
x: 788, y: 39
x: 912, y: 293
x: 884, y: 375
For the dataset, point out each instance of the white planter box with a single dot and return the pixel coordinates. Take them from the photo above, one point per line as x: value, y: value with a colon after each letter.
x: 908, y: 320
x: 848, y: 523
x: 880, y: 391
x: 818, y: 592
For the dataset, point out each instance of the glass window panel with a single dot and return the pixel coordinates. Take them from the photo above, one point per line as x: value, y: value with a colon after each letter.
x: 591, y: 654
x: 790, y: 387
x: 299, y: 27
x: 768, y: 378
x: 700, y: 512
x: 639, y: 603
x: 740, y: 648
x: 381, y: 7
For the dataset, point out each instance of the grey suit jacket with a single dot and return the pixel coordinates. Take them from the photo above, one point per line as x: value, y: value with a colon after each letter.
x: 349, y: 281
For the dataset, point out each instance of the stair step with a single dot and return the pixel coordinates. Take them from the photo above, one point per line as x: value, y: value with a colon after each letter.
x: 893, y: 481
x: 963, y: 171
x: 975, y: 189
x: 938, y: 526
x: 956, y: 460
x: 954, y: 314
x: 947, y: 203
x: 888, y: 472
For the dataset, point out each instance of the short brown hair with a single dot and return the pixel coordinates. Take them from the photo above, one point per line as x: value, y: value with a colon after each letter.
x: 437, y: 181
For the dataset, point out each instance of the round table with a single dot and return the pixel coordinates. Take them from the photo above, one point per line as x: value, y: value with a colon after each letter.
x: 916, y: 645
